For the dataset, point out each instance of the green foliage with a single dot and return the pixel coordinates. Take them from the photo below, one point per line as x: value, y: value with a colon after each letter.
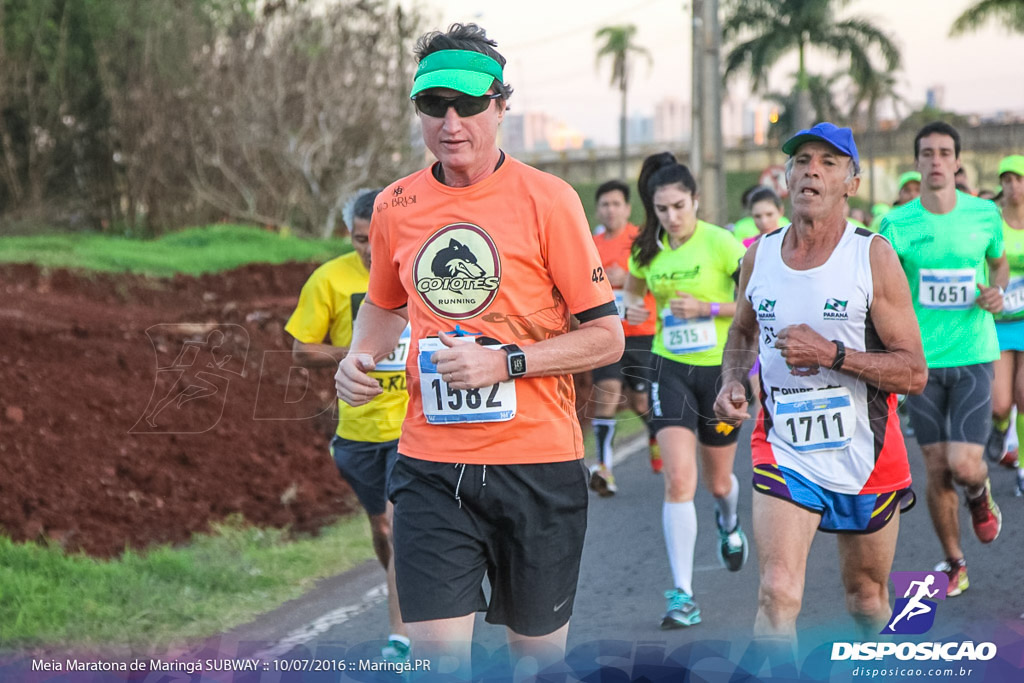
x: 927, y: 114
x: 1007, y: 13
x: 619, y: 46
x: 192, y: 251
x: 218, y: 581
x: 761, y: 32
x: 821, y: 91
x: 152, y: 114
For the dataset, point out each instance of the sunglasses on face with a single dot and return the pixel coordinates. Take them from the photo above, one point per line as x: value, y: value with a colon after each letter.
x: 465, y: 105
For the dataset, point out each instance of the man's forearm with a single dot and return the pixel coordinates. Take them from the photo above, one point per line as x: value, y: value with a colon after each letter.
x: 377, y: 330
x: 893, y: 371
x: 595, y: 344
x: 739, y: 355
x: 318, y: 355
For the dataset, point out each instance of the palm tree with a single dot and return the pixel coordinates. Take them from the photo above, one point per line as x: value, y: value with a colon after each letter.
x: 916, y: 120
x: 619, y: 46
x: 821, y: 96
x: 871, y: 91
x: 1009, y: 13
x: 762, y: 31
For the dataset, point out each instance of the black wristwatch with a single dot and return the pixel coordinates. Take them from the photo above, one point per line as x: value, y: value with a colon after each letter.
x: 837, y: 362
x: 516, y: 361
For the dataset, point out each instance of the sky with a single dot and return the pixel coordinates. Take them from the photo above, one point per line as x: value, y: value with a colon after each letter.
x: 550, y: 47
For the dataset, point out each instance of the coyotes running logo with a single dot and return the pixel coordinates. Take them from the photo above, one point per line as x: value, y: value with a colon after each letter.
x: 458, y: 262
x: 457, y: 271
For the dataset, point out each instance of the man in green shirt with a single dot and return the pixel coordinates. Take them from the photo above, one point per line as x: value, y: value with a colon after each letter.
x: 950, y: 245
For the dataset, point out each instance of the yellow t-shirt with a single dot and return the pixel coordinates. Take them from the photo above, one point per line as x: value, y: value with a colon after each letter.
x: 328, y: 305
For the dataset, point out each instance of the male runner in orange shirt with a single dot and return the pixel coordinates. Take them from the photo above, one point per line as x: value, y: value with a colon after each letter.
x: 627, y: 380
x: 488, y: 259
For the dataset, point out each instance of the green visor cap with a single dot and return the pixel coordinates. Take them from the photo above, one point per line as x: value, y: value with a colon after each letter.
x: 1012, y: 164
x: 908, y: 177
x: 463, y: 70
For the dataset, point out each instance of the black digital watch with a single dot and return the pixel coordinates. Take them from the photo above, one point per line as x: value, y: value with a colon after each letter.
x: 516, y: 360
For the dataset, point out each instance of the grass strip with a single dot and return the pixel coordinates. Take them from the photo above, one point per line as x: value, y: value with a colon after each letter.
x: 165, y: 594
x: 192, y: 251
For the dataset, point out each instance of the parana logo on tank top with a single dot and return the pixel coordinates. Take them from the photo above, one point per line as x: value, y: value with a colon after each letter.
x: 457, y: 271
x: 835, y: 309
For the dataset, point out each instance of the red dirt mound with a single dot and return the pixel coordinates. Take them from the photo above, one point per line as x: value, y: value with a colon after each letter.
x: 136, y: 411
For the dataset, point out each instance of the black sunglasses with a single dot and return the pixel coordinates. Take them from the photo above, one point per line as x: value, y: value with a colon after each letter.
x: 465, y: 105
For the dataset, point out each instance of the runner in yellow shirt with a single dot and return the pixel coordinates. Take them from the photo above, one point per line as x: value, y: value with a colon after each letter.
x: 366, y: 442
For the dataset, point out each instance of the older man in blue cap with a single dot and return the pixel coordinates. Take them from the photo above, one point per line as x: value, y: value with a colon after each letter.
x: 826, y: 308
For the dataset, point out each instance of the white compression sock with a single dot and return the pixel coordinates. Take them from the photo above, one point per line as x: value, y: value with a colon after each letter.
x: 727, y: 506
x: 680, y: 523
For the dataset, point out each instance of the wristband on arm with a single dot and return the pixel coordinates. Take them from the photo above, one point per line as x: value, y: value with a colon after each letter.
x: 840, y: 358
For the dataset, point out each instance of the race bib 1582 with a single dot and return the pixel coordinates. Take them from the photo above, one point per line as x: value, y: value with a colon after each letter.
x: 445, y: 405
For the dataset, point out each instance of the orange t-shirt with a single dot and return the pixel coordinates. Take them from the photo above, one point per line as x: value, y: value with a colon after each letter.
x: 508, y: 258
x: 615, y: 250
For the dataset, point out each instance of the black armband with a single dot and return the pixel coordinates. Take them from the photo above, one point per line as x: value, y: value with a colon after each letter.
x: 597, y: 312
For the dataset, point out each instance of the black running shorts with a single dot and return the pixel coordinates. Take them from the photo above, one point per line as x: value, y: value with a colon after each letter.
x: 684, y: 395
x: 365, y: 466
x: 956, y: 405
x: 635, y: 367
x: 521, y: 525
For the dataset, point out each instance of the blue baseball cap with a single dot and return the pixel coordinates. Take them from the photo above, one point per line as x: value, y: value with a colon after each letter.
x: 840, y: 138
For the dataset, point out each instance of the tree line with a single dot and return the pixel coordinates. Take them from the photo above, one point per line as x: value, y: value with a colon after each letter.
x: 136, y: 116
x: 758, y: 34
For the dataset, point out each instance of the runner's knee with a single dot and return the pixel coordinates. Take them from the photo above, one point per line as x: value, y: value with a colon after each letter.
x: 720, y: 485
x: 1001, y: 405
x: 679, y: 488
x: 867, y: 599
x: 780, y: 596
x: 967, y: 469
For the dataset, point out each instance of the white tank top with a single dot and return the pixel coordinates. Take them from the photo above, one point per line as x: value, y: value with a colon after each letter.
x: 828, y: 426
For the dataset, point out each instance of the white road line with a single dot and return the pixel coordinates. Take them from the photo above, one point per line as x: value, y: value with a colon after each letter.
x: 630, y: 447
x: 310, y: 631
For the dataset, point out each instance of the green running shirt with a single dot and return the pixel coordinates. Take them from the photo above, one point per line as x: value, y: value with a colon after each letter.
x: 702, y: 267
x: 1013, y: 302
x: 944, y: 258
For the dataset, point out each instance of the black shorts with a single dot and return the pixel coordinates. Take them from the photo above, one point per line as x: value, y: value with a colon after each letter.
x: 521, y: 525
x: 684, y: 395
x: 366, y: 467
x: 635, y: 367
x: 956, y: 405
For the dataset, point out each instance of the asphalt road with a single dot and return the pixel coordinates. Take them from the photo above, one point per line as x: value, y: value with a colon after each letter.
x: 625, y: 570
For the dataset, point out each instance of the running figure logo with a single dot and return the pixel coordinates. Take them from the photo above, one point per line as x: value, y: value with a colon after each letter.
x: 914, y: 613
x: 190, y: 391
